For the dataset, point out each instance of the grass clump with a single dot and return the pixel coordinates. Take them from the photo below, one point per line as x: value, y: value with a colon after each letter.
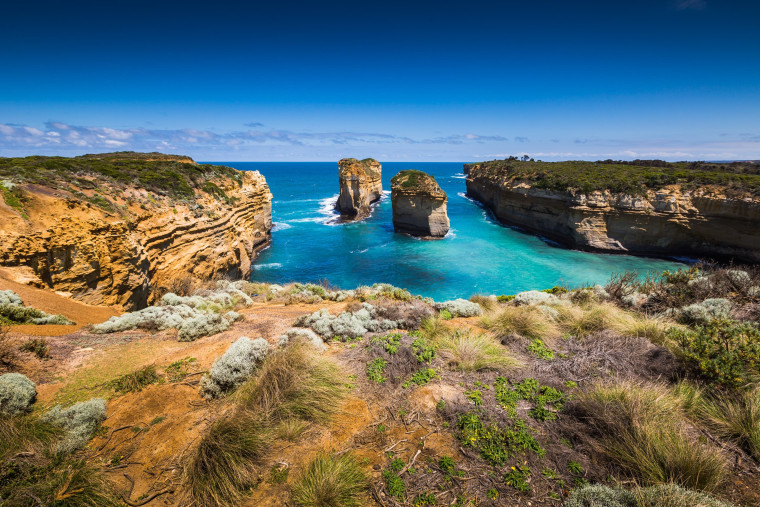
x: 723, y: 351
x: 331, y: 481
x: 526, y: 321
x: 468, y: 351
x: 292, y: 385
x: 136, y: 380
x: 640, y: 427
x: 734, y: 416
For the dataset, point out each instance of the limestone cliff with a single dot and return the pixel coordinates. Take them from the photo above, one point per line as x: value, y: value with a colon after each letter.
x: 676, y: 219
x: 419, y: 205
x: 360, y: 186
x: 120, y: 230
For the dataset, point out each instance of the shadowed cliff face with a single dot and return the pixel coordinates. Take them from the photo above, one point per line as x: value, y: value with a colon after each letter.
x: 669, y: 221
x: 360, y: 186
x: 419, y: 205
x: 110, y: 242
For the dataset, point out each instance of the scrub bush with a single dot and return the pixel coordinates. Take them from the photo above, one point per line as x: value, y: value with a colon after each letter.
x: 293, y: 335
x: 17, y: 393
x: 347, y: 324
x: 79, y: 421
x: 460, y: 308
x: 234, y: 367
x: 534, y: 297
x: 706, y: 311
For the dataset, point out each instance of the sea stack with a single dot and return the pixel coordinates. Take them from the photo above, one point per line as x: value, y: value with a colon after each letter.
x: 360, y: 186
x: 419, y: 205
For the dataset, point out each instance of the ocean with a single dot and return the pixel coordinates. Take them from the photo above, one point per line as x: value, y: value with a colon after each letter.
x: 479, y: 255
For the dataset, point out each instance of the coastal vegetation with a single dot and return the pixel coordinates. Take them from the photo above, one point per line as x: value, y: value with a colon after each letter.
x: 640, y: 389
x: 632, y: 178
x: 170, y: 175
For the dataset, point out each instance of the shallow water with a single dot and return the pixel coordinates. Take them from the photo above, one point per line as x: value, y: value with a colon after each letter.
x: 478, y: 256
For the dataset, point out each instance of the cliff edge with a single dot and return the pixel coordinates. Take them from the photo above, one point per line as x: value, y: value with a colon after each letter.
x: 360, y: 186
x: 641, y: 207
x: 120, y: 229
x: 419, y: 205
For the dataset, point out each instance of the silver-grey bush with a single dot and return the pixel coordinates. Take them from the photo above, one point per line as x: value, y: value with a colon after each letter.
x: 17, y: 393
x: 234, y: 367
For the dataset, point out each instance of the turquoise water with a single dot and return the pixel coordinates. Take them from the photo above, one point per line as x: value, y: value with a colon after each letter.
x: 478, y: 256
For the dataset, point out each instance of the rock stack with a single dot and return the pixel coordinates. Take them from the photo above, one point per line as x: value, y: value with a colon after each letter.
x: 360, y: 186
x: 419, y: 205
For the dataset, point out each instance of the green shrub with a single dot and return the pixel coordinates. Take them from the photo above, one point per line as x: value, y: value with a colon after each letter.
x: 331, y: 481
x: 445, y: 315
x: 723, y: 351
x: 547, y: 400
x: 423, y: 350
x: 390, y: 342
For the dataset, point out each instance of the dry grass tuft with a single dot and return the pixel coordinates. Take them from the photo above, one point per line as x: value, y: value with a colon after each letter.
x: 527, y: 321
x: 292, y: 388
x: 640, y: 427
x: 468, y: 351
x: 331, y: 481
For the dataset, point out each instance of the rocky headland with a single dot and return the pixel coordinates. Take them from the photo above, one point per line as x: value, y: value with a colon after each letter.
x: 643, y: 207
x: 121, y: 229
x: 419, y: 205
x: 360, y: 187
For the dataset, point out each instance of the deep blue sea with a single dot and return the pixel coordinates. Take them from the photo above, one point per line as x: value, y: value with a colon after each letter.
x: 478, y: 256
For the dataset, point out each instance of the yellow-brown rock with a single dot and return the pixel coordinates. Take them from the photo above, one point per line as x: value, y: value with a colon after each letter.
x: 706, y: 221
x: 419, y: 205
x: 360, y: 187
x: 108, y: 241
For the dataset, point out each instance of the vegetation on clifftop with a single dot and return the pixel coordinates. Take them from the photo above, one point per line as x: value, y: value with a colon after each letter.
x: 171, y: 175
x: 413, y: 179
x: 632, y: 177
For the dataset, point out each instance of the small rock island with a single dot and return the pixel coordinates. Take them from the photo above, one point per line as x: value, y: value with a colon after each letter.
x: 419, y: 205
x: 360, y: 187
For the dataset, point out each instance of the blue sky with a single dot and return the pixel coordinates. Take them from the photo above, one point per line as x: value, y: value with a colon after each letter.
x: 463, y: 81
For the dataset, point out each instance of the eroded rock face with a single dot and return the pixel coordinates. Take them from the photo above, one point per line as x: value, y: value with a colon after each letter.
x: 128, y: 252
x: 360, y: 186
x: 671, y: 221
x: 419, y: 205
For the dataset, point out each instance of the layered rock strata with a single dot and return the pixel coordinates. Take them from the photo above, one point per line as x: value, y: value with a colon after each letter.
x: 105, y: 241
x: 360, y: 187
x: 707, y: 221
x: 419, y: 205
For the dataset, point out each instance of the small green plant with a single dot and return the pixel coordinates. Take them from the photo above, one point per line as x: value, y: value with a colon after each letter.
x: 557, y: 289
x: 575, y: 468
x: 445, y: 315
x: 421, y: 378
x: 492, y: 494
x: 547, y: 400
x: 157, y: 420
x: 496, y: 444
x: 395, y: 484
x: 446, y: 464
x: 426, y: 498
x: 549, y: 473
x: 723, y: 351
x: 505, y: 298
x: 396, y: 465
x: 390, y: 342
x: 475, y: 396
x: 539, y: 349
x: 376, y: 370
x: 423, y: 350
x: 517, y: 477
x: 278, y: 474
x: 440, y: 405
x: 381, y: 428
